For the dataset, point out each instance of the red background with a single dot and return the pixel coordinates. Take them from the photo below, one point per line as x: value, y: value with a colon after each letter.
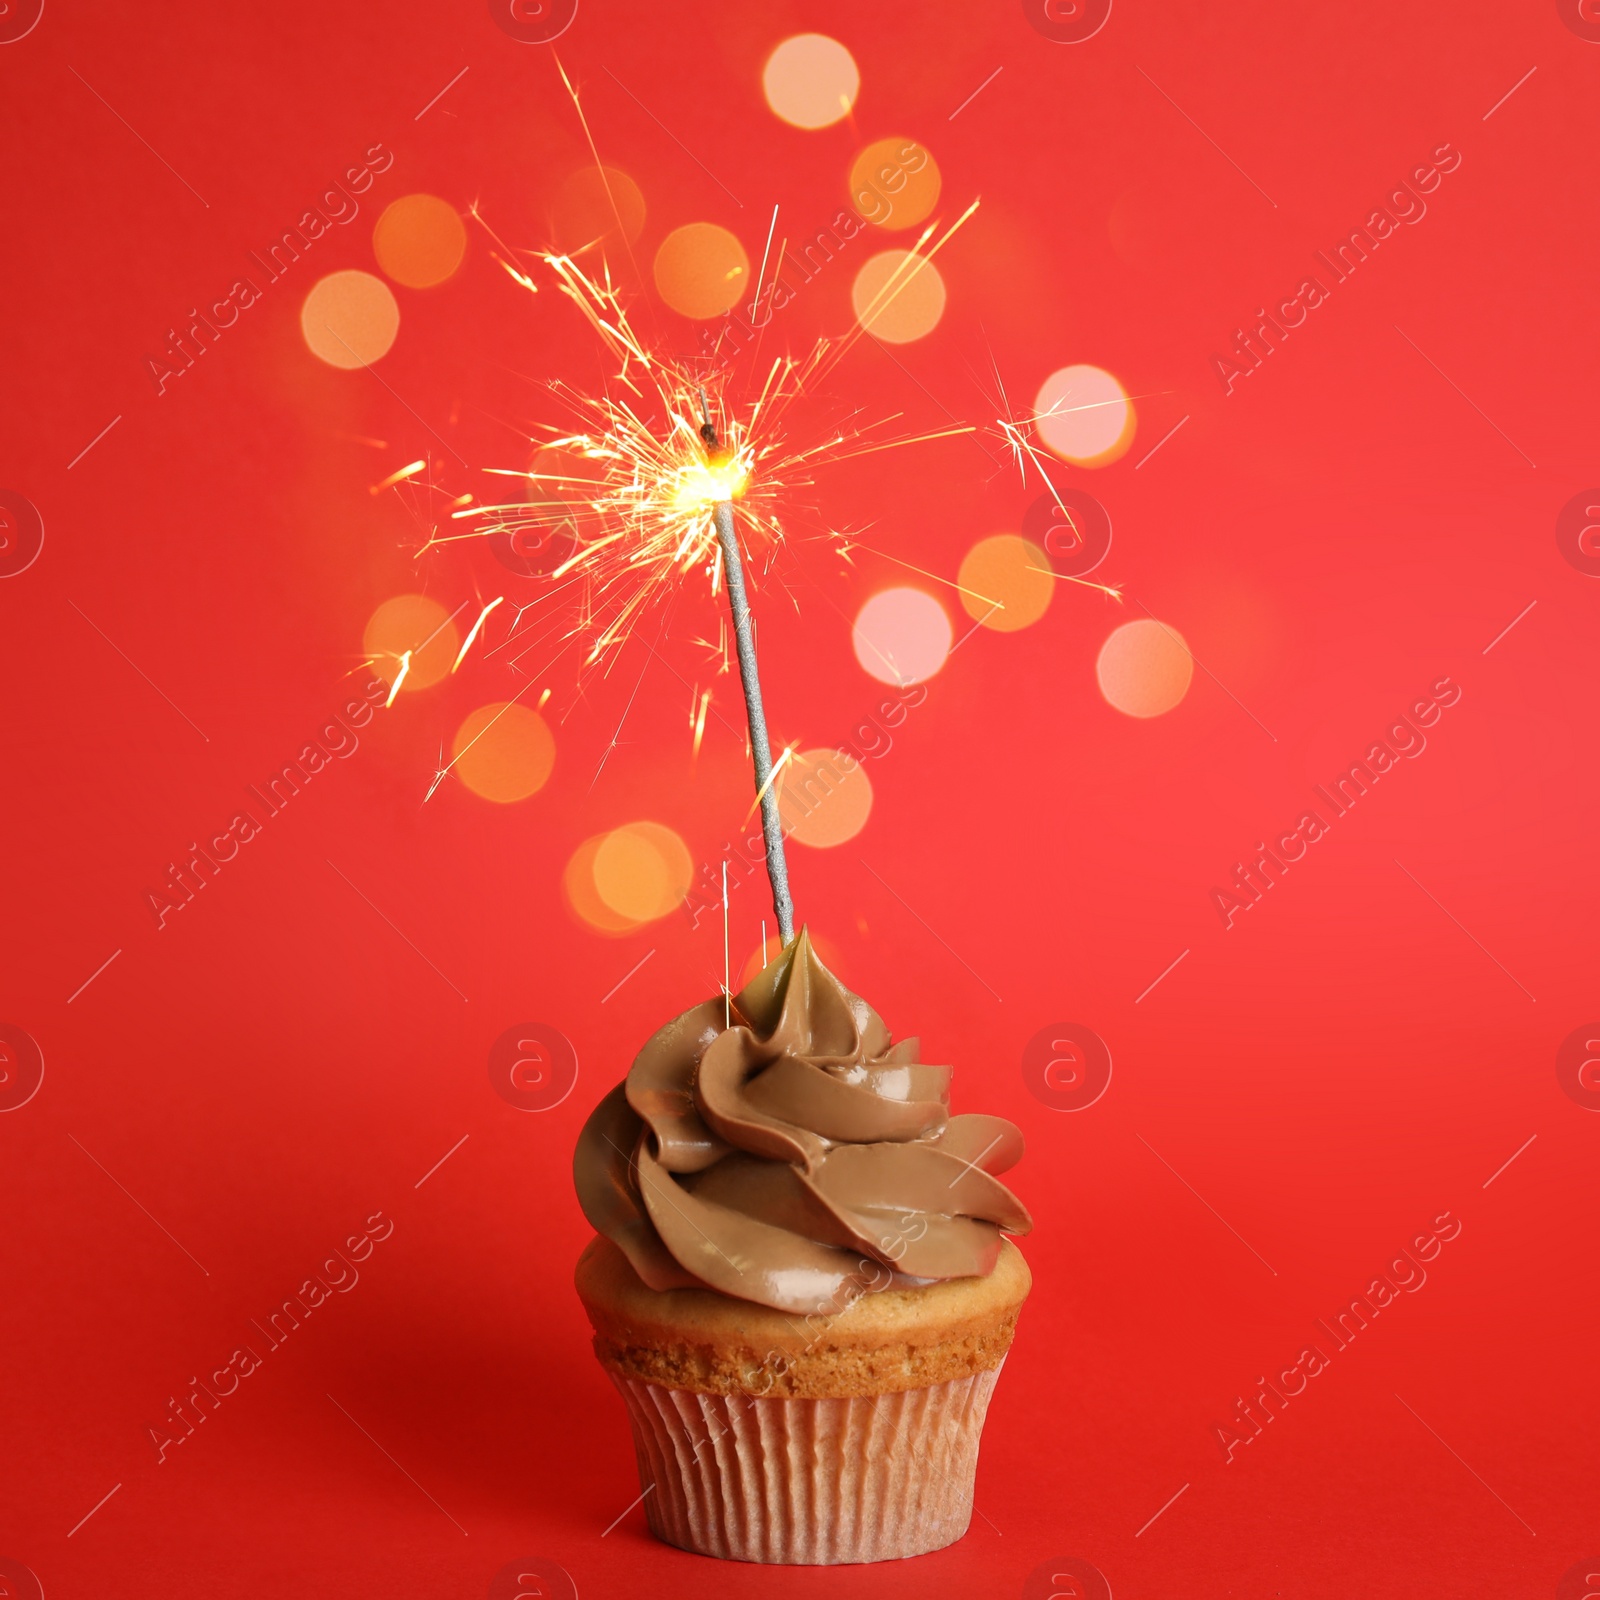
x: 1358, y: 1053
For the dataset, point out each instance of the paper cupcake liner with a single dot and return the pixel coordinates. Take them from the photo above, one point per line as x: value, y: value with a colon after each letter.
x: 812, y: 1482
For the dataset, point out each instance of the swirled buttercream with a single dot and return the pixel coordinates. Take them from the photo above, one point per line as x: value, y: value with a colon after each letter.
x: 774, y: 1151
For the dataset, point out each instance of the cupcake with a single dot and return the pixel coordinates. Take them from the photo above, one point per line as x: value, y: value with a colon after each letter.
x: 800, y: 1284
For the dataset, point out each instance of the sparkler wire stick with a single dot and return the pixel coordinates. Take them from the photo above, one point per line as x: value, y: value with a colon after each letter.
x: 749, y: 676
x: 658, y: 499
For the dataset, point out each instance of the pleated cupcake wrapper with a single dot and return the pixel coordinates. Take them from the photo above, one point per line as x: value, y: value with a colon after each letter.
x: 813, y: 1482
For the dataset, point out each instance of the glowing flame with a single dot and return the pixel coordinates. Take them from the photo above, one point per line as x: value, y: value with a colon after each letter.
x: 702, y: 483
x: 639, y: 502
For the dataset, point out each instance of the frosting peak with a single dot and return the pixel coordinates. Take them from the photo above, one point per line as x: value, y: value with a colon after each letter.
x: 769, y: 1157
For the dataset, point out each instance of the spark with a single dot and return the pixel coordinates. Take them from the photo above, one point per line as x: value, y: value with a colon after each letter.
x: 910, y: 265
x: 483, y: 617
x: 856, y: 544
x: 718, y: 651
x: 772, y: 227
x: 399, y: 477
x: 1019, y: 437
x: 772, y: 778
x: 697, y: 721
x: 441, y: 773
x: 399, y: 677
x: 632, y: 480
x: 517, y: 274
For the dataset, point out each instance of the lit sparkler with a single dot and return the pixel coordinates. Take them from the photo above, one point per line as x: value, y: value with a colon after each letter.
x: 749, y: 676
x: 655, y: 472
x: 660, y: 472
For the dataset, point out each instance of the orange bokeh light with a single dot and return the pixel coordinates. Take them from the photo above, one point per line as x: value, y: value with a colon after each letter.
x: 1085, y: 416
x: 894, y: 183
x: 811, y: 80
x: 701, y: 270
x: 349, y: 319
x: 411, y: 622
x: 901, y: 636
x: 419, y: 240
x: 504, y: 752
x: 1006, y: 583
x: 824, y: 797
x: 598, y: 204
x: 898, y: 297
x: 1144, y: 668
x: 642, y: 871
x: 577, y: 882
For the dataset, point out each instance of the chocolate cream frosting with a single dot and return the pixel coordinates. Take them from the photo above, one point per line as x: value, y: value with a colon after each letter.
x: 781, y: 1155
